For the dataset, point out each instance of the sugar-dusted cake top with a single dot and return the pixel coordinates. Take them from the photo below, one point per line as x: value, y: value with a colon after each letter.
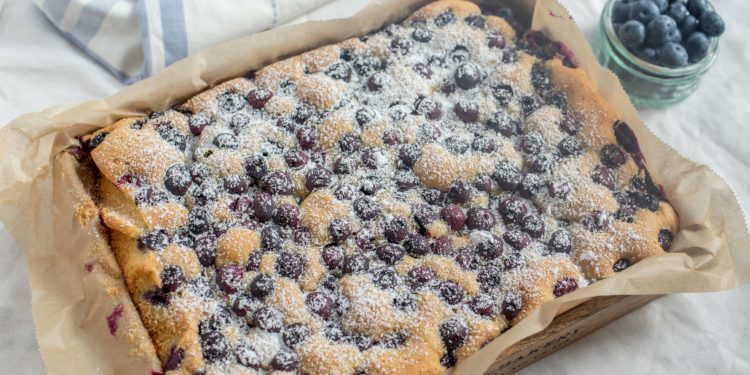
x: 385, y: 205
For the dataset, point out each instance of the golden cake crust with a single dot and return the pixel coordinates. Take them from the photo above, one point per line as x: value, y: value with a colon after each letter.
x: 385, y: 205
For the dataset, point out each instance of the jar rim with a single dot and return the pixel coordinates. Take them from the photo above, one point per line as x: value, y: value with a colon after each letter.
x: 644, y: 66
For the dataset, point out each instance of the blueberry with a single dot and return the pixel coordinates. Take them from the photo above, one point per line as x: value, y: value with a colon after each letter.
x: 632, y: 33
x: 621, y: 11
x: 697, y: 46
x: 644, y: 11
x: 696, y: 7
x: 688, y: 25
x: 662, y: 30
x: 662, y: 4
x: 711, y: 23
x: 678, y: 11
x: 673, y: 55
x: 648, y: 54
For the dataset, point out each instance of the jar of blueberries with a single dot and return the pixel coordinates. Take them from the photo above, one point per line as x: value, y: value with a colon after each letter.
x: 659, y: 49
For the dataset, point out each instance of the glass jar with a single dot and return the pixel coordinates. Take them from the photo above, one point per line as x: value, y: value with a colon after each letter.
x: 648, y: 85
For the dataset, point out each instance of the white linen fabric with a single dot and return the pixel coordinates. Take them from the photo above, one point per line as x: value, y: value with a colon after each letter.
x: 679, y: 334
x: 134, y: 39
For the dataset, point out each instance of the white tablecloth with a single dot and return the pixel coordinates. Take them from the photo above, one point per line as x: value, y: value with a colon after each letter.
x: 679, y: 334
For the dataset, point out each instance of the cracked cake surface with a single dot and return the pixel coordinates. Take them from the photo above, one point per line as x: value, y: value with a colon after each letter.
x: 385, y: 205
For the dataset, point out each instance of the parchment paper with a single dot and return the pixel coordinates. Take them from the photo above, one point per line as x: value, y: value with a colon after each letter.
x: 76, y: 284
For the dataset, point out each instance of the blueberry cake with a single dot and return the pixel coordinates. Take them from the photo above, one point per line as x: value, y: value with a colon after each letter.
x: 385, y: 205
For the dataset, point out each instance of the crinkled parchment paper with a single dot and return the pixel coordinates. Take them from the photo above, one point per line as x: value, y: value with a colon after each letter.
x: 85, y: 320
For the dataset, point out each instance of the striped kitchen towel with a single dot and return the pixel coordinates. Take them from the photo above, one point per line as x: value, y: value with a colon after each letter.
x: 134, y: 39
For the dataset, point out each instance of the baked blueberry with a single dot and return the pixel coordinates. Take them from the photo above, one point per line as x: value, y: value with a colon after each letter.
x: 454, y: 333
x: 339, y: 230
x: 511, y: 306
x: 459, y: 192
x: 560, y: 242
x: 290, y: 265
x: 479, y: 218
x: 258, y: 98
x: 320, y: 304
x: 226, y: 140
x: 665, y: 239
x: 278, y: 183
x: 198, y: 122
x: 318, y: 177
x: 519, y: 240
x: 451, y: 292
x: 564, y: 286
x: 395, y: 229
x: 416, y: 245
x: 512, y: 210
x: 428, y: 107
x: 419, y: 276
x: 621, y: 264
x: 356, y: 263
x: 488, y: 246
x: 444, y: 19
x: 262, y: 286
x: 533, y: 224
x: 295, y: 334
x: 612, y: 156
x: 569, y: 146
x: 228, y: 277
x: 507, y: 175
x: 268, y: 318
x: 453, y: 216
x: 332, y: 256
x: 205, y: 249
x: 390, y: 253
x: 366, y: 208
x: 215, y: 346
x: 339, y: 70
x: 422, y: 35
x: 503, y: 94
x: 466, y: 110
x: 467, y: 76
x: 442, y: 246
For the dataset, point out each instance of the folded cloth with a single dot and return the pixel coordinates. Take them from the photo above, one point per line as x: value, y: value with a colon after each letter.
x: 136, y: 38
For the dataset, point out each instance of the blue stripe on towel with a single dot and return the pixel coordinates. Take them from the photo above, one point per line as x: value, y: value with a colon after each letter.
x: 173, y: 30
x: 55, y: 9
x: 92, y: 16
x: 148, y: 62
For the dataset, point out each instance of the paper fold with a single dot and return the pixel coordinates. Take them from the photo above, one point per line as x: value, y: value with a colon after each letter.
x: 43, y: 192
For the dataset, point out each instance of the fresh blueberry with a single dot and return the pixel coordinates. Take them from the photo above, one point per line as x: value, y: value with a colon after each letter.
x: 673, y: 55
x: 711, y: 23
x: 648, y: 54
x: 688, y: 25
x: 632, y: 33
x: 697, y: 46
x: 662, y: 5
x: 662, y: 30
x: 644, y: 11
x: 678, y: 11
x: 621, y: 11
x: 696, y: 7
